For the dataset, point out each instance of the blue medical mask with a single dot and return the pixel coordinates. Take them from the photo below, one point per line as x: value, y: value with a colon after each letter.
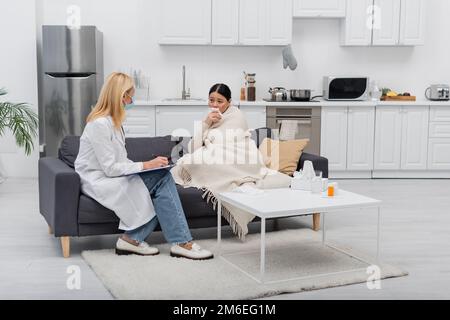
x: 129, y: 105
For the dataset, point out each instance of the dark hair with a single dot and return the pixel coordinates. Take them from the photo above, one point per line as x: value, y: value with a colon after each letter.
x: 222, y: 89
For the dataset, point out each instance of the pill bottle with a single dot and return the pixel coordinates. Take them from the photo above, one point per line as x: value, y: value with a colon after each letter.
x: 330, y: 190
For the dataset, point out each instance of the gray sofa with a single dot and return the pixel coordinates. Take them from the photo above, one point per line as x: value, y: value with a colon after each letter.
x: 70, y: 213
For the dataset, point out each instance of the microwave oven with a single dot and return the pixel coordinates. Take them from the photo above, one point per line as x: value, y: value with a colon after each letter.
x: 342, y: 88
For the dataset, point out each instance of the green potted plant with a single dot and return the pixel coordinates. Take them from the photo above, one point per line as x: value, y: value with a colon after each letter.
x: 21, y: 120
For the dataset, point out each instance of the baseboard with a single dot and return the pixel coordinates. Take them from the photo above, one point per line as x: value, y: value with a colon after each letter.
x: 350, y: 175
x: 391, y: 174
x: 422, y: 174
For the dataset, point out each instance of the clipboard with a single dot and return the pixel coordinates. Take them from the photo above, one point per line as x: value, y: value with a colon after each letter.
x: 149, y: 170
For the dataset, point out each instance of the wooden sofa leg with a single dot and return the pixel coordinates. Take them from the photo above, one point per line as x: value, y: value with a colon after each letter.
x: 50, y: 231
x: 316, y: 221
x: 65, y: 244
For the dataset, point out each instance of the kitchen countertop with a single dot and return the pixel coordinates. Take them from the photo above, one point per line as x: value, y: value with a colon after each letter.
x: 325, y: 103
x: 320, y: 103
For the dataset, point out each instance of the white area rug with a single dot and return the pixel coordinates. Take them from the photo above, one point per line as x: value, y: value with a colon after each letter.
x: 290, y: 254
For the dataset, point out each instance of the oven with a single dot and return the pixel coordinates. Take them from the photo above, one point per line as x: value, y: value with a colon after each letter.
x: 302, y: 122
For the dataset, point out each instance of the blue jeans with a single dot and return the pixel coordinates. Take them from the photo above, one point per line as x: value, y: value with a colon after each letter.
x: 169, y: 212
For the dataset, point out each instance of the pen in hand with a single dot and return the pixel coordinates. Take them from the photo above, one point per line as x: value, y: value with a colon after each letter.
x: 156, y: 162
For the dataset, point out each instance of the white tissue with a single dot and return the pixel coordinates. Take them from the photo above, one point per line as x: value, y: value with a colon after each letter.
x: 303, y: 179
x: 308, y: 170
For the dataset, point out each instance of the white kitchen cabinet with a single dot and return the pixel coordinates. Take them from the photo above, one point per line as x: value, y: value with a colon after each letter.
x: 140, y: 121
x: 347, y: 138
x: 439, y: 138
x: 386, y: 23
x: 412, y: 22
x: 439, y: 154
x: 252, y: 22
x: 388, y: 138
x: 360, y: 141
x: 401, y: 138
x: 179, y: 120
x: 185, y: 22
x: 356, y: 28
x: 255, y: 116
x: 319, y: 8
x: 440, y: 114
x: 439, y: 130
x: 333, y: 140
x: 265, y: 22
x: 414, y: 138
x: 279, y: 22
x: 225, y: 22
x: 383, y: 23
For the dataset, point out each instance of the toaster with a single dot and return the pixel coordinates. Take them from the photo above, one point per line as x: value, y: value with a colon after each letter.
x: 438, y: 92
x: 345, y: 88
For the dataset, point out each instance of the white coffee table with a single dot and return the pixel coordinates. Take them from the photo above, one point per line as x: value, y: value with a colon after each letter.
x: 285, y: 202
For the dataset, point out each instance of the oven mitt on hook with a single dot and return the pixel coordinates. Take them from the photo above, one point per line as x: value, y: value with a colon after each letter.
x: 288, y: 58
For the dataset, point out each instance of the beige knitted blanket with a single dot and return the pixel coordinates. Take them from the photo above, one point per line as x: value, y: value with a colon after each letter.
x: 223, y: 157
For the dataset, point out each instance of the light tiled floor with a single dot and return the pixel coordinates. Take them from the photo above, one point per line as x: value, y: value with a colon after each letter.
x: 415, y: 236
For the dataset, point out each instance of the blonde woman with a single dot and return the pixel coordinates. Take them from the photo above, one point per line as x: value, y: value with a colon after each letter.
x: 140, y: 200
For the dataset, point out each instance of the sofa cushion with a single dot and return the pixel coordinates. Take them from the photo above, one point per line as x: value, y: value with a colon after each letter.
x: 90, y: 211
x: 143, y: 149
x: 282, y: 155
x: 194, y: 205
x: 68, y: 150
x: 138, y: 149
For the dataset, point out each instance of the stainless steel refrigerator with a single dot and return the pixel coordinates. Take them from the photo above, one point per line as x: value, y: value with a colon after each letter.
x: 72, y: 76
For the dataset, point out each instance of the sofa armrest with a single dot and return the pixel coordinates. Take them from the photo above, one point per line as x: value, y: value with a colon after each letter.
x: 319, y: 163
x: 59, y: 194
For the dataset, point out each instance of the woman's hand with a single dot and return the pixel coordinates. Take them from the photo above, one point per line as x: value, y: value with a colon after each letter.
x: 213, y: 117
x: 156, y: 163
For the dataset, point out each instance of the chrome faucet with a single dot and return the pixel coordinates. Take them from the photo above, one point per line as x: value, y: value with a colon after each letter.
x: 185, y: 94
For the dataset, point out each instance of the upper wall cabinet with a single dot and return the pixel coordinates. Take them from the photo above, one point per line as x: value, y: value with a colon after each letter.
x: 251, y: 22
x: 278, y: 22
x: 384, y: 23
x: 185, y: 22
x: 412, y: 22
x: 319, y: 8
x: 356, y: 28
x: 226, y: 22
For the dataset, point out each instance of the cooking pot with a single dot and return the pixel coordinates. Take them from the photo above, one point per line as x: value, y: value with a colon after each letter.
x: 300, y: 94
x: 278, y: 94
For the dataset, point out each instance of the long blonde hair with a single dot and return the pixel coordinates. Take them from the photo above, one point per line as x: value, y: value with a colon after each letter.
x: 110, y: 101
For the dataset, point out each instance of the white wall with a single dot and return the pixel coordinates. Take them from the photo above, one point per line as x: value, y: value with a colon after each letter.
x: 18, y: 75
x: 131, y: 33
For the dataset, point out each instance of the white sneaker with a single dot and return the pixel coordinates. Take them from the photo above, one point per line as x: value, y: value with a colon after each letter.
x: 125, y: 248
x: 196, y: 253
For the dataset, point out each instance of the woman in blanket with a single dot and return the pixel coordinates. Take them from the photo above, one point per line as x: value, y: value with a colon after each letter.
x: 222, y: 156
